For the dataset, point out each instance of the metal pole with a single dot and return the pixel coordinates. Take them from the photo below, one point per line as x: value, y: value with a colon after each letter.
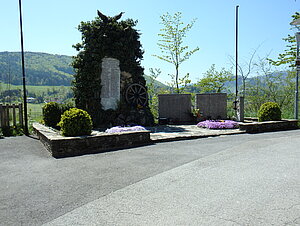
x: 297, y: 75
x: 23, y: 72
x: 236, y: 50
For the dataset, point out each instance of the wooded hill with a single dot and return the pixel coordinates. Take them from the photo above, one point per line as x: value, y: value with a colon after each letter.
x: 41, y: 69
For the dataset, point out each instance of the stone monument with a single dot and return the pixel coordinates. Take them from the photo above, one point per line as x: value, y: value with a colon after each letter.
x: 110, y: 81
x: 175, y: 107
x: 212, y: 105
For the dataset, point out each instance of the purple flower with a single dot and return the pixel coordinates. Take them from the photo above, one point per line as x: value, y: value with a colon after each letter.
x: 119, y: 129
x: 218, y: 124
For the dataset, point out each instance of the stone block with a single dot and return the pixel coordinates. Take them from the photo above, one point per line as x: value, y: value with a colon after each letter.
x: 212, y: 105
x: 175, y: 107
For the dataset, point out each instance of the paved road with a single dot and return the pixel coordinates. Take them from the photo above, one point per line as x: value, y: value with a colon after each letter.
x: 231, y: 180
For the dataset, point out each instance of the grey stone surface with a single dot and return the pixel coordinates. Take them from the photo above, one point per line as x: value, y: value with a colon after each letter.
x: 110, y: 81
x: 176, y: 107
x: 165, y: 133
x: 247, y: 179
x: 212, y: 105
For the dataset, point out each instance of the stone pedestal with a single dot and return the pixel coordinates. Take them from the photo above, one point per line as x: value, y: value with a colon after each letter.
x: 240, y: 109
x: 110, y: 81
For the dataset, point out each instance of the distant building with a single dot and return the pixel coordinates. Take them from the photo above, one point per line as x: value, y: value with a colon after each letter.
x: 30, y: 99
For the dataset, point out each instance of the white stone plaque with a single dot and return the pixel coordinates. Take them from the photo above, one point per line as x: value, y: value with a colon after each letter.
x: 110, y: 81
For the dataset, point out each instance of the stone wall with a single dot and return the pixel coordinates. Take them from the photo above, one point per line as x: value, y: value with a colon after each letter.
x: 212, y: 105
x: 175, y: 107
x: 269, y: 126
x: 60, y: 146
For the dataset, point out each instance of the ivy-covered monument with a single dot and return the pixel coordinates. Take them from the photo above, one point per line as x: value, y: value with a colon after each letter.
x: 108, y: 42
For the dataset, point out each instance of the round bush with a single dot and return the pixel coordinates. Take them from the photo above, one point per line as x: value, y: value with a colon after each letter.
x: 51, y: 114
x: 76, y: 122
x: 269, y: 111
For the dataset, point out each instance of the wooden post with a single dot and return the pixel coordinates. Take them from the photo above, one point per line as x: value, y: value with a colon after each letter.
x: 21, y: 114
x: 14, y: 115
x: 7, y: 115
x: 1, y: 116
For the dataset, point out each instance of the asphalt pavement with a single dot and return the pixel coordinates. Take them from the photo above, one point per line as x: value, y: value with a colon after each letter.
x: 245, y: 179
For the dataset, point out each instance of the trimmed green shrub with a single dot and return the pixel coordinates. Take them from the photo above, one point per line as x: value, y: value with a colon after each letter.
x: 75, y: 122
x: 66, y: 106
x: 51, y: 114
x: 269, y: 111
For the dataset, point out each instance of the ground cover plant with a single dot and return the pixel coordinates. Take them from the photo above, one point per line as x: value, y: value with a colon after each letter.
x: 218, y: 124
x: 120, y: 129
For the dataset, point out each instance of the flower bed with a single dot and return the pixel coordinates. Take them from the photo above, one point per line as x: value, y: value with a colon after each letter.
x: 60, y: 146
x: 119, y: 129
x: 218, y: 124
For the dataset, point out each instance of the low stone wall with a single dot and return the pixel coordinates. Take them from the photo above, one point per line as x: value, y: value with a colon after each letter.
x: 60, y: 146
x: 268, y: 126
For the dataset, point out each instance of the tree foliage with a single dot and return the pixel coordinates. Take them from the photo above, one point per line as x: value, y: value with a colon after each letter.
x: 270, y: 85
x: 214, y: 81
x: 172, y: 45
x: 289, y: 55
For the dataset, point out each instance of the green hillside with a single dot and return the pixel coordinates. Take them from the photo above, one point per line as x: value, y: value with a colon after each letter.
x: 42, y: 69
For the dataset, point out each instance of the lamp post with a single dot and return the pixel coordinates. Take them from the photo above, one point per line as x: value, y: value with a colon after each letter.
x: 296, y: 23
x: 297, y: 74
x: 23, y: 72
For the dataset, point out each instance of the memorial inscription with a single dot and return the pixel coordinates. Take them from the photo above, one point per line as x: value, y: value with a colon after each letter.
x: 110, y: 80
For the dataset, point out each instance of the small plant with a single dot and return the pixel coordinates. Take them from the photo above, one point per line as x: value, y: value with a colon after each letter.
x: 119, y: 129
x: 75, y: 122
x: 51, y: 114
x: 218, y: 124
x: 269, y: 111
x: 9, y: 131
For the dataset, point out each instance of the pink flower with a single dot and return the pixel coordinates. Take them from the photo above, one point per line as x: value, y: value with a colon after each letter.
x: 218, y: 124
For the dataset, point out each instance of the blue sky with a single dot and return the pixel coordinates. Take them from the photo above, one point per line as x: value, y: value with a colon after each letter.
x: 51, y: 27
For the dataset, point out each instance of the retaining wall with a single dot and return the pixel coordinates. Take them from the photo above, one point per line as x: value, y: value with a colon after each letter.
x: 60, y: 146
x: 269, y: 126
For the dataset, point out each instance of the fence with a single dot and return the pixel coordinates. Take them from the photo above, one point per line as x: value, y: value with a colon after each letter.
x: 11, y: 115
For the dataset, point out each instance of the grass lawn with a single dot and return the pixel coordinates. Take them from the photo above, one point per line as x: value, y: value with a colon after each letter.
x: 35, y: 112
x: 39, y: 90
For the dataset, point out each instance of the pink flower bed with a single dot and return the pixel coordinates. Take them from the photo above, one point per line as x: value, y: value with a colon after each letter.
x: 119, y: 129
x: 218, y: 124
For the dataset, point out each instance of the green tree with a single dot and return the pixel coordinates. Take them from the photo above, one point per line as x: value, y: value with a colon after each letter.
x: 289, y: 55
x: 172, y: 47
x: 270, y: 85
x: 214, y: 81
x: 152, y: 91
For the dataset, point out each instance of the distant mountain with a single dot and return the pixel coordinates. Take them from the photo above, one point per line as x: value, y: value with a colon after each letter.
x: 252, y: 80
x: 41, y: 69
